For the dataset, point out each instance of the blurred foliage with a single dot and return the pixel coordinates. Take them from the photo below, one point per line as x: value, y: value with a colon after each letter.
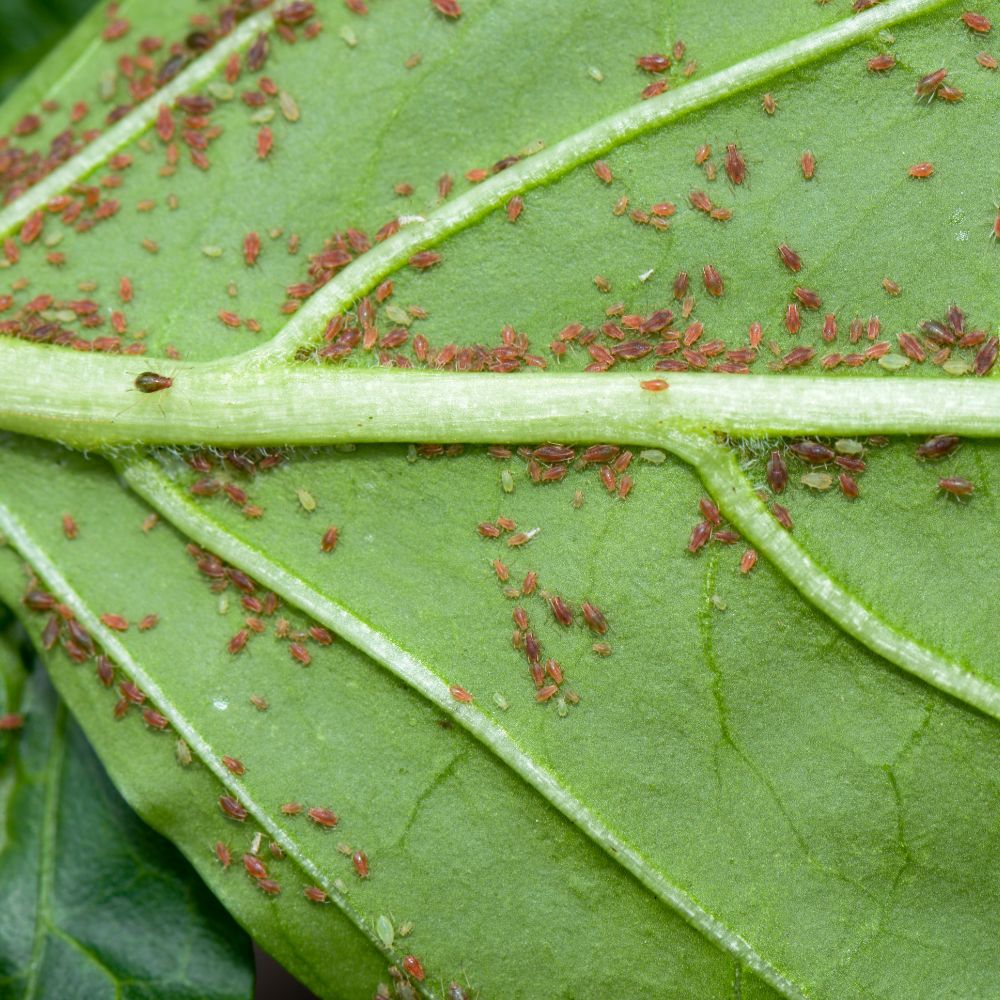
x: 28, y: 30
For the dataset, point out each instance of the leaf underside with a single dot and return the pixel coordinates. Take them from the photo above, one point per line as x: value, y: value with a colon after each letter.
x: 781, y: 809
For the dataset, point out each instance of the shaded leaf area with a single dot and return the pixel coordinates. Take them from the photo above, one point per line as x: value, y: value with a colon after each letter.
x: 780, y: 773
x: 94, y: 904
x: 28, y: 29
x: 366, y: 124
x: 457, y: 846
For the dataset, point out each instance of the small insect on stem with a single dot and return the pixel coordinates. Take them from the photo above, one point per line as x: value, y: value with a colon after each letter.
x: 152, y: 382
x: 655, y: 385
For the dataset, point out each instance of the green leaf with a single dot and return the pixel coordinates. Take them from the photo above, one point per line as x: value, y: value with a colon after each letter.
x: 784, y: 775
x: 94, y: 903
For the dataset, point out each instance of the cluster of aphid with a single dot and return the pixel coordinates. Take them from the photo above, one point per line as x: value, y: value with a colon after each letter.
x: 551, y: 463
x: 259, y: 608
x: 62, y: 628
x: 152, y: 65
x: 661, y: 66
x: 213, y: 469
x: 712, y: 528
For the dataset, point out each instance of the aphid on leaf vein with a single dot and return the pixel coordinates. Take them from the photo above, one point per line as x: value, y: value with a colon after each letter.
x: 152, y: 382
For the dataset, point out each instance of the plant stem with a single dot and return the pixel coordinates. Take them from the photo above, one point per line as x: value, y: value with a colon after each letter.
x: 88, y: 401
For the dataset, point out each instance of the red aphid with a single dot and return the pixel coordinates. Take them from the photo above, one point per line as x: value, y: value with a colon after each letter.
x: 736, y: 167
x: 956, y: 486
x: 323, y: 817
x: 603, y: 172
x: 232, y: 808
x: 223, y: 853
x: 793, y: 322
x: 808, y: 165
x: 424, y: 260
x: 881, y: 63
x: 459, y: 693
x: 714, y: 284
x: 360, y: 861
x: 412, y: 967
x: 265, y: 142
x: 449, y: 8
x: 978, y: 23
x: 254, y: 866
x: 748, y: 561
x: 700, y: 534
x: 789, y: 258
x: 920, y: 171
x: 330, y: 538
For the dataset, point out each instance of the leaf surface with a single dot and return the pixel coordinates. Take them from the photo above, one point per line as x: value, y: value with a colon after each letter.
x: 94, y: 903
x: 787, y: 789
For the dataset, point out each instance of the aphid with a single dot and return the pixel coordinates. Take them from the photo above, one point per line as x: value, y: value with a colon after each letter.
x: 936, y: 332
x: 291, y: 808
x: 330, y: 538
x: 700, y: 534
x: 323, y: 817
x: 782, y: 515
x: 360, y: 861
x: 986, y: 357
x: 789, y: 258
x: 11, y: 721
x: 152, y: 382
x: 306, y: 500
x: 449, y: 8
x: 978, y: 23
x: 265, y: 142
x: 812, y: 452
x: 927, y: 85
x: 700, y: 201
x: 238, y: 641
x: 655, y: 385
x: 314, y: 894
x: 501, y: 570
x: 777, y: 472
x: 115, y: 622
x: 713, y: 280
x: 251, y: 248
x: 808, y: 298
x: 987, y: 61
x: 69, y: 526
x: 223, y: 853
x: 657, y: 62
x: 950, y: 94
x: 268, y: 886
x: 939, y: 446
x: 561, y: 611
x: 654, y: 89
x: 424, y: 260
x: 910, y: 346
x: 881, y: 63
x: 736, y: 168
x: 514, y: 208
x: 594, y: 619
x: 232, y: 808
x: 891, y: 287
x: 259, y: 702
x: 254, y: 866
x: 603, y: 172
x: 848, y: 486
x: 233, y: 764
x: 769, y: 104
x: 748, y: 561
x: 922, y: 170
x: 532, y: 649
x: 956, y: 486
x: 702, y: 153
x: 459, y: 693
x: 808, y: 163
x: 412, y: 967
x: 793, y: 322
x: 546, y: 692
x: 681, y: 281
x: 299, y: 652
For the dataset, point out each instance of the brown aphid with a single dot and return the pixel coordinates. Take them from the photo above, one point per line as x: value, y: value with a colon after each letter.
x: 986, y: 357
x: 234, y: 764
x: 299, y: 652
x: 330, y: 538
x: 848, y: 486
x: 69, y: 526
x: 769, y: 104
x: 449, y: 8
x: 987, y: 61
x: 291, y: 808
x: 254, y: 866
x: 594, y: 619
x: 502, y: 571
x: 812, y: 452
x: 223, y: 853
x: 748, y: 561
x: 736, y: 168
x: 777, y: 472
x: 700, y: 201
x: 412, y: 967
x: 601, y: 649
x: 702, y: 153
x: 978, y: 23
x: 793, y: 322
x: 238, y: 641
x: 654, y: 385
x: 881, y: 63
x: 714, y: 284
x: 50, y: 634
x: 259, y: 702
x: 782, y: 515
x: 152, y: 382
x: 950, y: 94
x: 921, y: 171
x: 314, y: 894
x: 546, y: 692
x: 956, y: 486
x: 360, y: 861
x: 808, y: 298
x: 891, y: 287
x: 603, y: 172
x: 149, y: 522
x: 268, y: 886
x: 514, y: 208
x: 424, y: 260
x: 532, y: 648
x: 459, y: 693
x: 700, y: 534
x: 251, y: 248
x: 530, y: 583
x: 910, y: 346
x: 232, y: 808
x: 928, y: 85
x: 323, y: 817
x: 681, y: 282
x: 789, y: 258
x: 654, y: 89
x: 656, y: 62
x: 561, y: 611
x: 115, y: 622
x: 939, y: 446
x: 808, y: 164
